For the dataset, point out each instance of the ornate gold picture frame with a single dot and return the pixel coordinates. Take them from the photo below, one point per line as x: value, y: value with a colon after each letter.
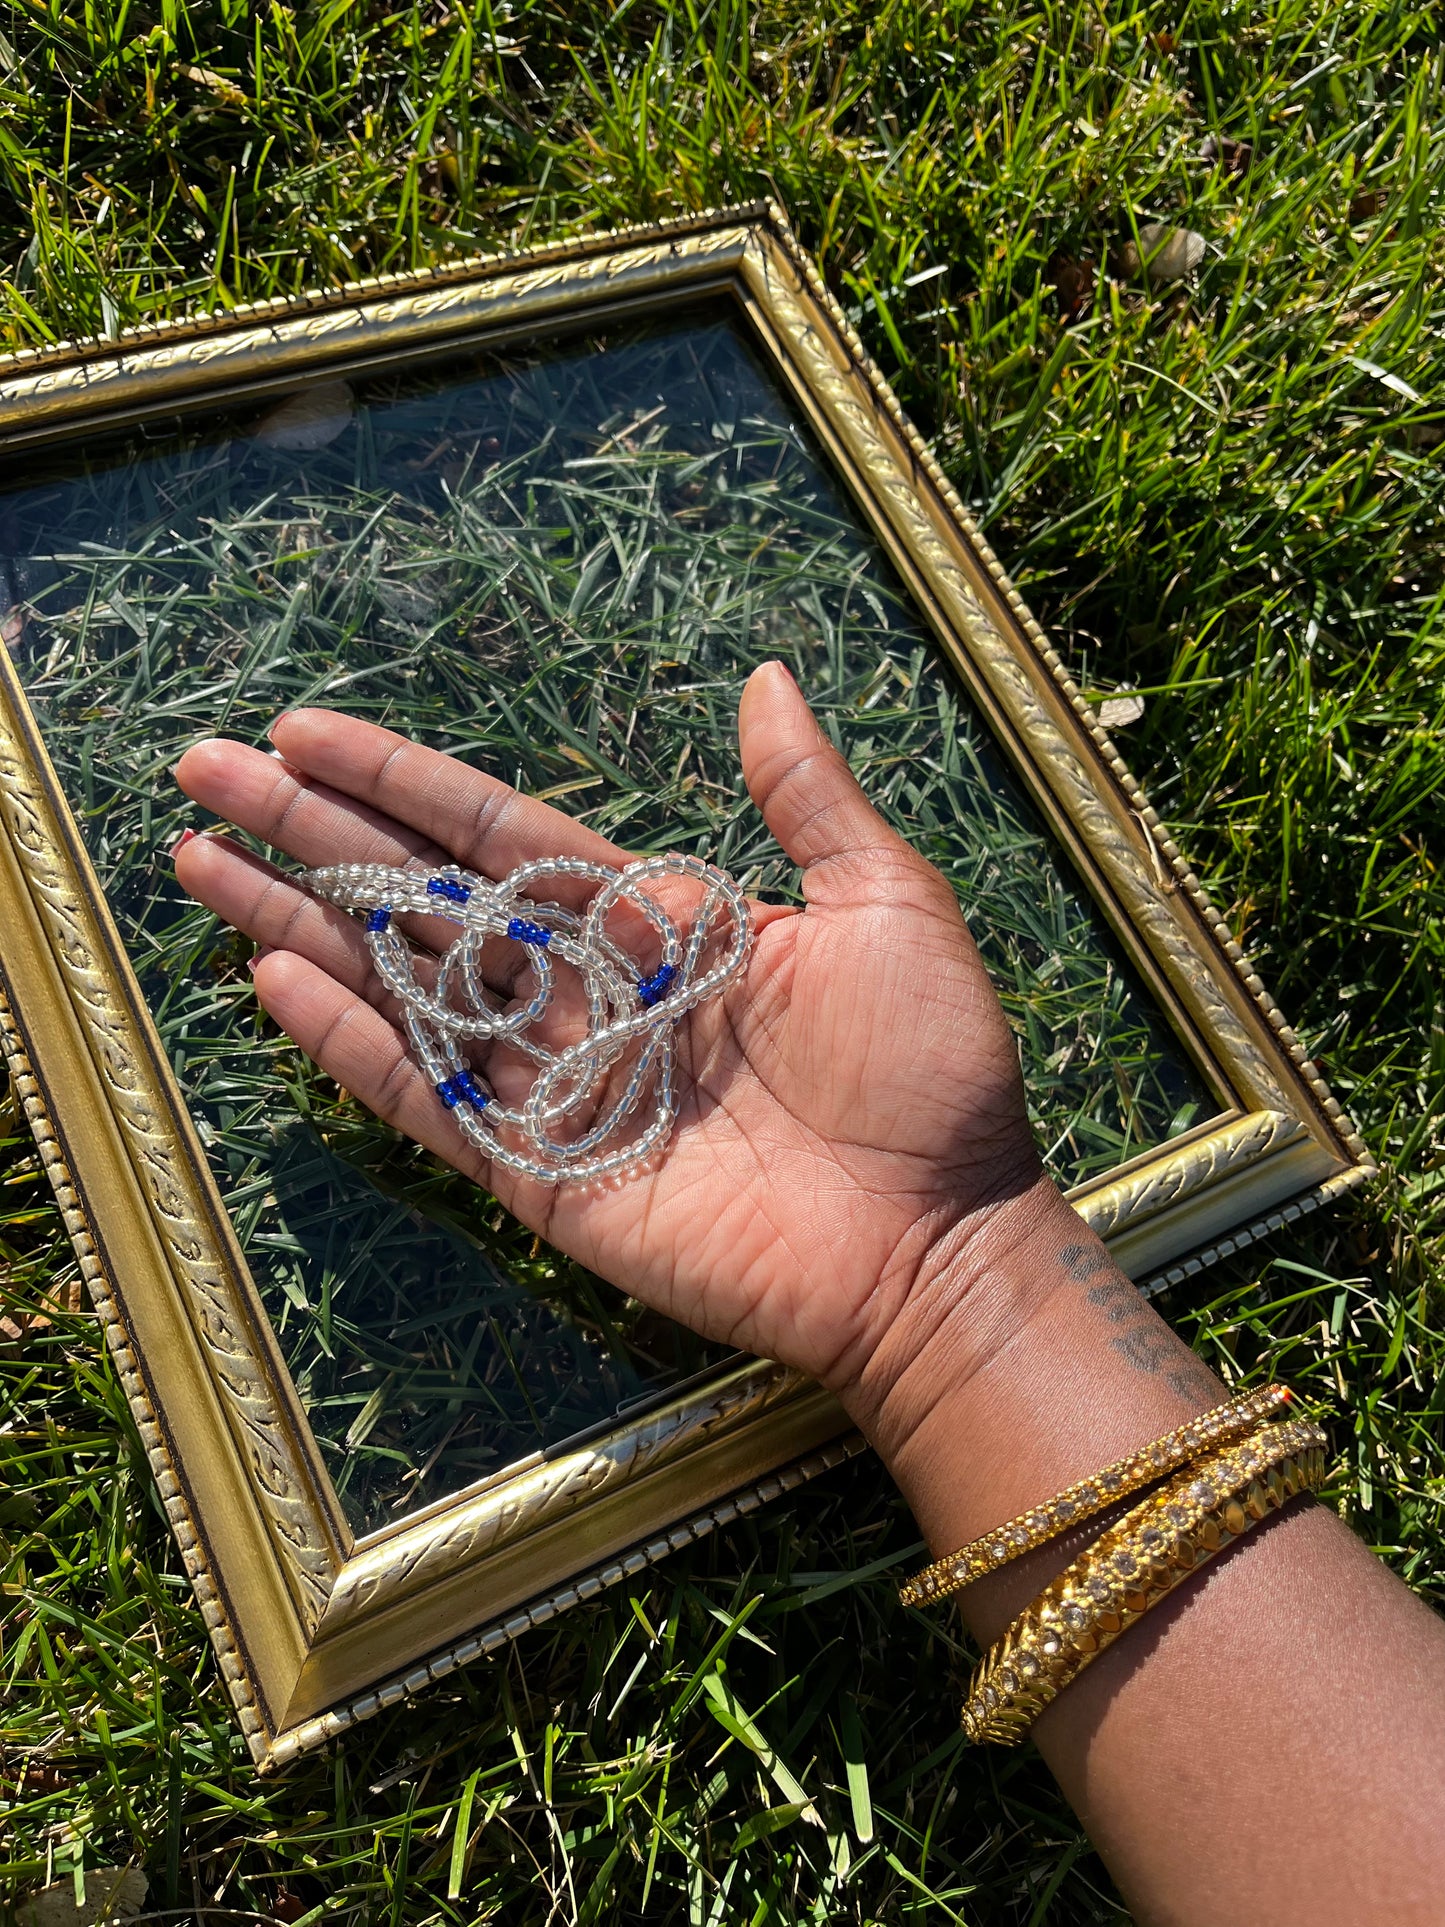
x: 318, y: 1620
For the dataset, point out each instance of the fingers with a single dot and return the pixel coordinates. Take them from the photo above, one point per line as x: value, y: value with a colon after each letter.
x: 486, y: 824
x: 312, y: 822
x: 256, y: 899
x: 350, y: 808
x: 366, y: 1055
x: 811, y: 800
x: 267, y: 906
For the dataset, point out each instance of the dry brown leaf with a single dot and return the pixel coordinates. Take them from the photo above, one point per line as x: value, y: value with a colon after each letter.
x: 225, y: 90
x: 16, y: 1327
x: 111, y: 1894
x: 1235, y: 157
x: 307, y: 420
x: 1164, y: 253
x: 29, y: 1321
x: 1073, y: 281
x: 1369, y: 202
x: 1117, y: 712
x: 37, y: 1778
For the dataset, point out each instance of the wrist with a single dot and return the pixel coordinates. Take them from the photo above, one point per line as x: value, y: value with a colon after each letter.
x: 972, y: 1292
x: 1021, y: 1361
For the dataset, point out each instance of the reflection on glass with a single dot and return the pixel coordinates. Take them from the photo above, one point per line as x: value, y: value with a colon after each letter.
x: 562, y: 565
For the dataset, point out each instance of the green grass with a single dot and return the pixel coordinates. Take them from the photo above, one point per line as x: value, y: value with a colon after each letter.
x: 1226, y: 494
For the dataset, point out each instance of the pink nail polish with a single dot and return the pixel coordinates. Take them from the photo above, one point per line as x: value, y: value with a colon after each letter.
x: 263, y: 950
x: 185, y: 837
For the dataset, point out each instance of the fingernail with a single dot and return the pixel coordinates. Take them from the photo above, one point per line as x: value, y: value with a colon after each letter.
x: 264, y: 950
x: 275, y: 724
x: 290, y: 768
x: 185, y: 837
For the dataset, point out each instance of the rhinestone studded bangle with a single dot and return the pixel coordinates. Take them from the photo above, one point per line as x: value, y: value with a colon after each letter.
x: 1131, y: 1567
x: 1231, y: 1420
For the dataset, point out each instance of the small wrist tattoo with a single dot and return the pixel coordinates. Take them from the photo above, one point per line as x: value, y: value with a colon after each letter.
x: 1145, y: 1341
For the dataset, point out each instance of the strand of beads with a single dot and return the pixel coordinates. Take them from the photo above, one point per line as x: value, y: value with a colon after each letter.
x: 631, y: 1015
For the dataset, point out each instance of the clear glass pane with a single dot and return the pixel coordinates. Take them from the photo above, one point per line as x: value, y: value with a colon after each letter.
x: 561, y: 564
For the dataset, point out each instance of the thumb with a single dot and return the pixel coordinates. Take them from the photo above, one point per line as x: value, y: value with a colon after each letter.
x: 810, y: 799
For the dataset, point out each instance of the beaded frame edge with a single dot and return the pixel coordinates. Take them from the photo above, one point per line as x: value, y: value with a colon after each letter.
x: 307, y: 1735
x: 194, y: 1557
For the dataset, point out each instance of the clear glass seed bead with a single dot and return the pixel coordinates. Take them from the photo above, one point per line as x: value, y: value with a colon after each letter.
x: 460, y: 1011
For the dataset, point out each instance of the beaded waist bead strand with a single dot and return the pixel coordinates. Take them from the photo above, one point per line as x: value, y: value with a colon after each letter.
x: 630, y: 1015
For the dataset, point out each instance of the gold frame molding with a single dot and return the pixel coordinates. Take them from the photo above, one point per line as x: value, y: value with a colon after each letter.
x: 314, y: 1630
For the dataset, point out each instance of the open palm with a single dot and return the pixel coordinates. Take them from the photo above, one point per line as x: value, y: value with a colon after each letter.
x: 847, y: 1112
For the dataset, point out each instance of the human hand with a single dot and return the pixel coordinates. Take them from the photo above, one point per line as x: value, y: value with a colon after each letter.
x: 851, y: 1136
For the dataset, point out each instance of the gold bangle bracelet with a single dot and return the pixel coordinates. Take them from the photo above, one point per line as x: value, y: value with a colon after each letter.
x: 1232, y: 1420
x: 1131, y: 1567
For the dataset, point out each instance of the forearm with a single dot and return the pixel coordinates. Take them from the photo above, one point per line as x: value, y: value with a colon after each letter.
x: 1269, y: 1743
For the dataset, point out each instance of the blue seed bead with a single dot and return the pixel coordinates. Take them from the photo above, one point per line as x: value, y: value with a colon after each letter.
x: 525, y: 932
x: 471, y: 1090
x: 379, y: 919
x: 462, y: 1088
x: 449, y: 888
x: 653, y: 989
